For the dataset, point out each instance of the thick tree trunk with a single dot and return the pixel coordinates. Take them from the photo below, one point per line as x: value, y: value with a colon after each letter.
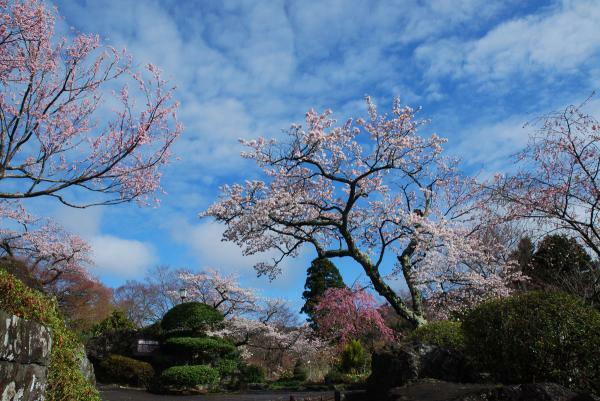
x: 413, y: 316
x: 415, y: 294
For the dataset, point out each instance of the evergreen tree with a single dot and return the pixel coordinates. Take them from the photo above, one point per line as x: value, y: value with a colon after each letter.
x: 558, y: 257
x: 321, y: 275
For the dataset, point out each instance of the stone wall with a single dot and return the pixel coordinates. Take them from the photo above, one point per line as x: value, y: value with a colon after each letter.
x: 24, y: 356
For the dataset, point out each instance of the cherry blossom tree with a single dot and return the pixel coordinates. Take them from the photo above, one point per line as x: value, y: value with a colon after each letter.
x: 263, y: 328
x: 49, y: 251
x: 363, y: 190
x: 52, y: 138
x: 345, y: 314
x: 557, y: 185
x: 221, y: 292
x: 64, y: 136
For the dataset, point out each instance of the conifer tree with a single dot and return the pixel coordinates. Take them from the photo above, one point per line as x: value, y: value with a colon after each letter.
x: 321, y: 276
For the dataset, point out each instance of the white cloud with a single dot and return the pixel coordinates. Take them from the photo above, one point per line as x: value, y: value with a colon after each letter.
x: 113, y: 256
x: 559, y: 40
x: 121, y: 258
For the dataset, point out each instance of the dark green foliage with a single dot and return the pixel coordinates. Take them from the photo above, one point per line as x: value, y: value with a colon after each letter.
x: 536, y: 337
x: 65, y: 380
x: 123, y: 370
x: 191, y: 317
x: 199, y: 350
x: 190, y: 376
x: 561, y: 263
x: 253, y: 374
x: 354, y: 358
x: 116, y: 321
x: 557, y: 256
x: 321, y: 275
x: 444, y: 333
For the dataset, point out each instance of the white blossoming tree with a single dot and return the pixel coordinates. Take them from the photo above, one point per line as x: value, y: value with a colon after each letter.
x: 363, y: 190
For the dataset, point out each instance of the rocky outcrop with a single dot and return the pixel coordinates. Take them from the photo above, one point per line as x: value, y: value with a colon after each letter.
x: 398, y: 365
x: 24, y: 356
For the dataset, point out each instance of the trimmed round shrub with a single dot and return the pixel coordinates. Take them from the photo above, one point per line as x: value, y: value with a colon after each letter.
x: 191, y: 317
x: 190, y: 376
x: 65, y: 380
x: 200, y: 349
x: 354, y: 357
x: 253, y: 374
x: 535, y: 337
x: 123, y: 370
x: 444, y: 334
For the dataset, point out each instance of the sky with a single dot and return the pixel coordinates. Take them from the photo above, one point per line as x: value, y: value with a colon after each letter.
x: 479, y: 69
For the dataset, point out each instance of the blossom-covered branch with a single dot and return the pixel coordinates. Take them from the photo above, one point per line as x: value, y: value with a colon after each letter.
x: 51, y: 94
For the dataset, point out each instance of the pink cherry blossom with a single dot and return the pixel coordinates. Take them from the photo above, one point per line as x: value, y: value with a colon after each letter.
x: 345, y: 314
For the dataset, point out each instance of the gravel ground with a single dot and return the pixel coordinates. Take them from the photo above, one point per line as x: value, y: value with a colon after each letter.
x: 139, y: 395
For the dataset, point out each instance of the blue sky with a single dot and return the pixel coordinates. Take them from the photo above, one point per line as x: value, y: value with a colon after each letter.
x: 480, y: 69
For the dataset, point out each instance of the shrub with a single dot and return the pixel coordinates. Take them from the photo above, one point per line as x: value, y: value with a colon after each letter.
x: 190, y: 376
x: 353, y: 357
x: 201, y: 349
x: 536, y: 336
x: 253, y: 374
x: 124, y: 370
x: 65, y: 380
x: 300, y: 371
x: 445, y: 334
x: 191, y: 317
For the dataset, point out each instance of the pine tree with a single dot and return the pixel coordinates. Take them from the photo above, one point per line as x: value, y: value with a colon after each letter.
x: 321, y: 275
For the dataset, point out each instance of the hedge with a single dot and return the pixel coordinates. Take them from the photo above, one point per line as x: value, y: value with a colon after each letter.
x: 444, y: 333
x: 535, y: 337
x: 65, y: 380
x: 123, y: 370
x: 190, y: 375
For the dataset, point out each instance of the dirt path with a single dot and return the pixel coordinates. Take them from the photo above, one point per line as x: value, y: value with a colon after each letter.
x: 138, y: 395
